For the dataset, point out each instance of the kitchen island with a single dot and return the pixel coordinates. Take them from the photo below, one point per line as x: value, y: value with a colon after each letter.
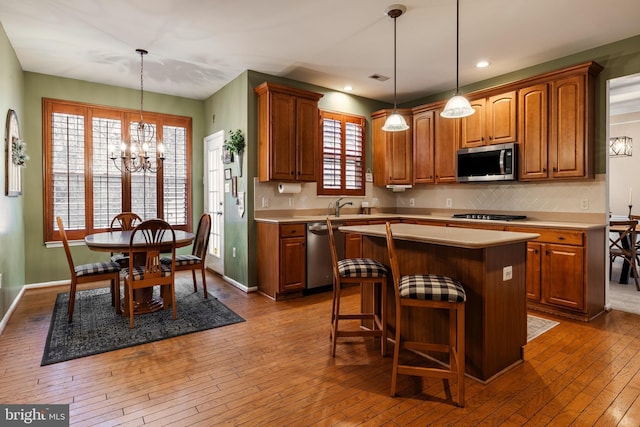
x: 491, y: 265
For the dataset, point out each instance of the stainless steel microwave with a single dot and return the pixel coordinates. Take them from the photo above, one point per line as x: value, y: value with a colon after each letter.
x: 488, y: 163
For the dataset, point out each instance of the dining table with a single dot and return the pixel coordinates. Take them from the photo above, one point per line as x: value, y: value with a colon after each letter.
x: 144, y: 300
x: 626, y: 244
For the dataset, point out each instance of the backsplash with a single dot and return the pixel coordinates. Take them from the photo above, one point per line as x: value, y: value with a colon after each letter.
x: 570, y: 196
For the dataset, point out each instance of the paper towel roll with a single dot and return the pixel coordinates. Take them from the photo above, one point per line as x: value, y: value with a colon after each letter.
x: 289, y: 187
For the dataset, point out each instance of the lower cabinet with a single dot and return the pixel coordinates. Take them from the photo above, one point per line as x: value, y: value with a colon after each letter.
x: 559, y: 281
x: 281, y: 259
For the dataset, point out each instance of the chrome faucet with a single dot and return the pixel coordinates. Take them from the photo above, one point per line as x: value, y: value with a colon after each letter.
x: 338, y: 205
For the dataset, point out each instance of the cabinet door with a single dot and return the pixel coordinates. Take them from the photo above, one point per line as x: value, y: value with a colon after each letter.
x: 292, y: 264
x: 423, y: 147
x: 446, y: 148
x: 399, y: 160
x: 307, y: 135
x: 562, y: 276
x: 534, y: 257
x: 283, y: 136
x: 501, y: 118
x: 567, y: 144
x: 472, y: 128
x: 352, y: 245
x: 532, y: 128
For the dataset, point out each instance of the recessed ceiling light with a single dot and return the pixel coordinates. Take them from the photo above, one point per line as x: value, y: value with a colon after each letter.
x: 348, y: 88
x: 482, y: 64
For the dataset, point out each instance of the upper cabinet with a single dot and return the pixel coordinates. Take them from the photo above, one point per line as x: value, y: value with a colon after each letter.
x: 423, y: 146
x: 392, y: 151
x: 494, y: 121
x: 556, y: 125
x: 288, y: 132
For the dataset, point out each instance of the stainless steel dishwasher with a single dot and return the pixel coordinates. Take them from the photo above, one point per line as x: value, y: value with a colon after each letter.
x: 319, y: 269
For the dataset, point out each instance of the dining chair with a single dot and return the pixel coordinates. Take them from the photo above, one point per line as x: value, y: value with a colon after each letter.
x: 196, y: 260
x: 361, y: 272
x: 123, y: 221
x: 148, y: 240
x: 622, y: 243
x: 90, y: 273
x: 430, y: 291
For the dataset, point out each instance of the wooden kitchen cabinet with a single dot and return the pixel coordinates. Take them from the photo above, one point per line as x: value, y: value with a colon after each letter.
x: 423, y: 146
x: 559, y: 281
x: 447, y: 135
x: 281, y: 259
x: 494, y: 121
x: 392, y: 151
x: 556, y: 125
x: 288, y: 132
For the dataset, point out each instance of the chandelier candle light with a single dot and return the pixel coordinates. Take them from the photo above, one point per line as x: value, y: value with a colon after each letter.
x: 134, y: 154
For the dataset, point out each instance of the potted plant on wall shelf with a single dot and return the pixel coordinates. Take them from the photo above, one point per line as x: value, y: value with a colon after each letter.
x: 235, y: 144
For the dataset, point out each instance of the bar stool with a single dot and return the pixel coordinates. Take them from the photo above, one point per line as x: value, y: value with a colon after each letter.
x: 363, y: 271
x: 430, y: 291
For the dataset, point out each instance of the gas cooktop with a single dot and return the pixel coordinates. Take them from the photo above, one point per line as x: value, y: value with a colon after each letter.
x: 494, y: 217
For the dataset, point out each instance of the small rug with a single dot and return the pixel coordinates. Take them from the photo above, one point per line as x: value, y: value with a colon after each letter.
x: 537, y: 326
x: 96, y: 328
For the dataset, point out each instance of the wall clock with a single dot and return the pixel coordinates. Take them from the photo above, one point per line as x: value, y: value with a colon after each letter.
x: 14, y: 156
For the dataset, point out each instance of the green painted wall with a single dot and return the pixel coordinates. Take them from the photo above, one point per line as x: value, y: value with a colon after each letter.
x: 51, y: 263
x: 12, y: 227
x: 227, y: 110
x: 618, y: 59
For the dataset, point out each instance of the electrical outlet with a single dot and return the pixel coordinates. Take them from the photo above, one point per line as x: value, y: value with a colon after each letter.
x: 449, y: 203
x: 507, y: 273
x: 233, y: 252
x: 374, y: 201
x: 0, y: 280
x: 584, y: 204
x: 290, y: 202
x: 265, y: 202
x: 412, y: 202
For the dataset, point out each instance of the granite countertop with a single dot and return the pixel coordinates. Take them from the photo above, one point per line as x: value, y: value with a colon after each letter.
x: 532, y: 221
x: 449, y: 236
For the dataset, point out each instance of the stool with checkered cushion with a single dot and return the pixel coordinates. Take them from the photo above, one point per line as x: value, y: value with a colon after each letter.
x: 430, y: 291
x: 89, y: 273
x: 365, y: 272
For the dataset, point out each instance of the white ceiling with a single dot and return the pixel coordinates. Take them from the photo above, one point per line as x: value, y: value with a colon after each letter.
x: 197, y: 46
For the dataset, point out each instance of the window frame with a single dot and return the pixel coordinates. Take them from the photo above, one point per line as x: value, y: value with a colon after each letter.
x: 89, y: 111
x: 343, y: 118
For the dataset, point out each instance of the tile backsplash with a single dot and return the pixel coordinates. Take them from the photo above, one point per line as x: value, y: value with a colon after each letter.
x: 567, y: 196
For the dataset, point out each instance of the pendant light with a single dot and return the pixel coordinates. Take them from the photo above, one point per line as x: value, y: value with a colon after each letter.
x: 458, y: 106
x: 395, y: 122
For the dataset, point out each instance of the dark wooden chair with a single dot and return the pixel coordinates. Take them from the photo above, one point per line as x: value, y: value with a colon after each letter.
x: 196, y: 260
x: 148, y: 241
x: 362, y: 272
x: 430, y: 291
x: 90, y: 273
x: 622, y: 243
x: 123, y: 221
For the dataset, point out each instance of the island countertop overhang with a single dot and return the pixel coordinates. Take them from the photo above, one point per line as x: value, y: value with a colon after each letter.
x: 448, y: 236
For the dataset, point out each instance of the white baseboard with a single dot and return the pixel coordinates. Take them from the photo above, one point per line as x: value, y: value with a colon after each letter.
x: 239, y: 285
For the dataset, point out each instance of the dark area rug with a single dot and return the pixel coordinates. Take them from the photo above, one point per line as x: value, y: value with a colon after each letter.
x: 96, y: 327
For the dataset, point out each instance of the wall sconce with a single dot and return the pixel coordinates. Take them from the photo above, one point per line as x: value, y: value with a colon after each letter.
x: 620, y: 146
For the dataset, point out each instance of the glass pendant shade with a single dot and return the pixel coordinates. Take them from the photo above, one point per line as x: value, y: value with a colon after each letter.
x: 395, y: 123
x: 457, y: 107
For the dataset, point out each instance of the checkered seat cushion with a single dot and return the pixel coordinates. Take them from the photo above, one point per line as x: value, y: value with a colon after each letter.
x: 361, y: 267
x: 431, y: 287
x: 182, y: 260
x: 120, y: 258
x: 96, y: 268
x: 138, y: 272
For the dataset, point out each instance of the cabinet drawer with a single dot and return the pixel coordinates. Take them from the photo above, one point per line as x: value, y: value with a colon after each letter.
x: 565, y: 237
x: 292, y: 230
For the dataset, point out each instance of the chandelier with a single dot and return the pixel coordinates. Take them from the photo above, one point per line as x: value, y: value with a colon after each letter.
x: 135, y: 155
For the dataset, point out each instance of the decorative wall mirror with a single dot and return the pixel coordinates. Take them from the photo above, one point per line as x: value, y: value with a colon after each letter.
x: 15, y: 156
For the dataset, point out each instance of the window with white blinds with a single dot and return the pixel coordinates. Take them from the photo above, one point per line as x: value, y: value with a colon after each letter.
x: 343, y: 155
x: 84, y: 187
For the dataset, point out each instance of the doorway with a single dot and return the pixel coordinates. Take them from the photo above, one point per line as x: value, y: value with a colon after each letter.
x: 623, y: 175
x: 214, y: 199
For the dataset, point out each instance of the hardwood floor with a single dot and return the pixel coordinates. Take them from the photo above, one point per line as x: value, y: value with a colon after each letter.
x: 275, y: 369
